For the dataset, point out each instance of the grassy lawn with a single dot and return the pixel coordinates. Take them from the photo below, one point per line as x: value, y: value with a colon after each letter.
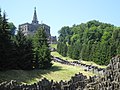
x: 53, y: 46
x: 57, y: 72
x: 65, y: 72
x: 56, y: 54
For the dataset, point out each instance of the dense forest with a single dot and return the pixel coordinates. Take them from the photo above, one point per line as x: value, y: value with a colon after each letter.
x: 91, y: 41
x: 20, y: 51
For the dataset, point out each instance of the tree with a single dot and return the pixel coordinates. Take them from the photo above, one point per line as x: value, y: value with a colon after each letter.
x: 6, y: 54
x: 24, y: 52
x: 42, y: 55
x: 91, y: 41
x: 62, y: 48
x: 12, y: 28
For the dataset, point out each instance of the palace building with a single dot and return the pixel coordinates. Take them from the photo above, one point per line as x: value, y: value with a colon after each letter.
x: 31, y: 28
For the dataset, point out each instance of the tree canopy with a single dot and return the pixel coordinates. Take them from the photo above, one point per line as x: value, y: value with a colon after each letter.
x: 91, y: 41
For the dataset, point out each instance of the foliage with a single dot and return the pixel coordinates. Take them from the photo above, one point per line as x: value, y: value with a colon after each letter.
x: 91, y: 41
x: 12, y: 28
x: 6, y: 45
x: 22, y: 52
x: 62, y: 48
x: 41, y: 48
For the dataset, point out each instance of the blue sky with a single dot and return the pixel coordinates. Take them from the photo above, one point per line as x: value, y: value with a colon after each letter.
x: 59, y: 13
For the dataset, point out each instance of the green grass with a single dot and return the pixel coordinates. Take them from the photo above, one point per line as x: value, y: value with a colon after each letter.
x: 65, y: 72
x: 56, y: 54
x: 53, y: 46
x: 57, y: 72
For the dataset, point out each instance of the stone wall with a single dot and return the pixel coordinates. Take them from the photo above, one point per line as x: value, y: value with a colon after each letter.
x: 78, y: 81
x: 111, y: 78
x: 91, y: 68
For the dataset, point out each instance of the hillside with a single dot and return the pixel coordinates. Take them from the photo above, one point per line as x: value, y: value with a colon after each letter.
x: 63, y: 71
x: 109, y: 81
x: 56, y: 54
x: 91, y: 41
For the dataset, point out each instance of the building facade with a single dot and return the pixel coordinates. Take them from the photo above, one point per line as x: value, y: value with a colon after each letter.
x: 31, y: 28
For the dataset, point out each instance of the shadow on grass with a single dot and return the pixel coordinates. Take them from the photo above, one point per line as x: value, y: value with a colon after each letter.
x: 26, y: 76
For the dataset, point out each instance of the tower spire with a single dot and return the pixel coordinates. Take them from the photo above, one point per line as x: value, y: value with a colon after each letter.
x: 35, y: 21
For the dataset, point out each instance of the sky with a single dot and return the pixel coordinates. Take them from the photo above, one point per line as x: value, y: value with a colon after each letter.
x: 59, y: 13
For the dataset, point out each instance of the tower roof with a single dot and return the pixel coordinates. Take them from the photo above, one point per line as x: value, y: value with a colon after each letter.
x: 35, y: 21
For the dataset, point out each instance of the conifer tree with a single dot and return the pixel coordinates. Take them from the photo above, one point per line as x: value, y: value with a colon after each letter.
x: 6, y: 59
x: 24, y: 52
x: 41, y: 48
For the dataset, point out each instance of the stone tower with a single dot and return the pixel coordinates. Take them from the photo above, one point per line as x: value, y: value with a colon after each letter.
x: 31, y: 28
x: 35, y: 20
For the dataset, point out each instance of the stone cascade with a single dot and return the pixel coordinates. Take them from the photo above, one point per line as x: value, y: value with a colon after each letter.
x: 111, y: 78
